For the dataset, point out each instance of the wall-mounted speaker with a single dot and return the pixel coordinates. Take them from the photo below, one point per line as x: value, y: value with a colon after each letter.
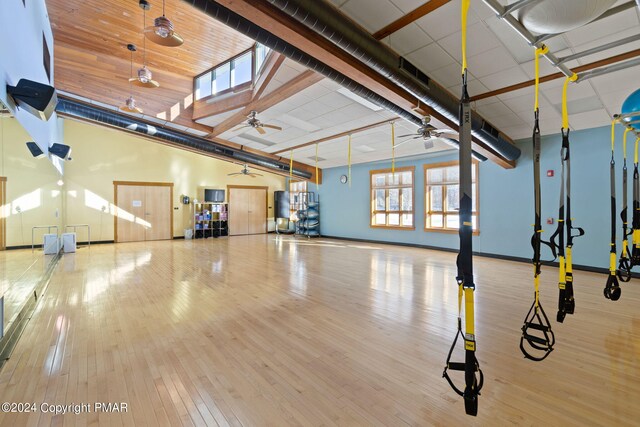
x: 35, y: 150
x: 36, y: 98
x: 61, y: 150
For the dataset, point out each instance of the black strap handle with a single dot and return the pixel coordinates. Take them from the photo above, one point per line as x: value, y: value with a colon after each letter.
x: 537, y: 333
x: 612, y: 289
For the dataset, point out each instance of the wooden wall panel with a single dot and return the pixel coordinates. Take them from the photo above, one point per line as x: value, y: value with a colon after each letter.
x: 91, y: 58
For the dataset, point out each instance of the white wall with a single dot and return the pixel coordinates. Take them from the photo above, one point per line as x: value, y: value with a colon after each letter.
x: 22, y: 26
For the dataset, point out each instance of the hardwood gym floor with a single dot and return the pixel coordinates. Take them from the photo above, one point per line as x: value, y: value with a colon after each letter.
x: 273, y: 331
x: 20, y: 270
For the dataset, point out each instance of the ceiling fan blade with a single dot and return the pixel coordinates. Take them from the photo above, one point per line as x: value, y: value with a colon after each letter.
x: 235, y: 173
x: 444, y: 131
x: 173, y: 39
x: 260, y: 130
x: 272, y: 127
x: 149, y: 83
x: 405, y: 136
x: 403, y: 142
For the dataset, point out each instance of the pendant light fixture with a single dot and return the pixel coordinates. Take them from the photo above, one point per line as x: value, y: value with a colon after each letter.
x: 162, y: 32
x: 130, y: 104
x: 144, y: 78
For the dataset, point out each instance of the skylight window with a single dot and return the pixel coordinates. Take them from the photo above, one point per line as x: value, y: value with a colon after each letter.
x: 238, y: 71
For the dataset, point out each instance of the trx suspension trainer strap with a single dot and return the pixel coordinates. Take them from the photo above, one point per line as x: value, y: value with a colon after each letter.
x: 624, y: 265
x: 464, y: 261
x: 635, y: 223
x: 566, y: 302
x: 536, y: 330
x: 612, y: 287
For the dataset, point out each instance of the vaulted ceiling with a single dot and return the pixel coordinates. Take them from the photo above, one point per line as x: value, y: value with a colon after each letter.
x: 92, y: 62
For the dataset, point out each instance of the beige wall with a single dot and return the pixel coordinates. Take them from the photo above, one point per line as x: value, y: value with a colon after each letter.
x: 101, y: 155
x: 31, y: 187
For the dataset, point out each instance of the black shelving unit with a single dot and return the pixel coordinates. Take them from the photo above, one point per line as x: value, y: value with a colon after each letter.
x: 210, y: 220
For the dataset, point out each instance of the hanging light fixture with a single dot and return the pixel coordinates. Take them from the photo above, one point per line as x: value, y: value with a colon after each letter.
x: 162, y: 32
x: 130, y: 104
x: 145, y: 77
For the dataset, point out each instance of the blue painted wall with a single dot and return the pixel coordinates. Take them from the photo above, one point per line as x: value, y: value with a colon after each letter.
x: 506, y: 199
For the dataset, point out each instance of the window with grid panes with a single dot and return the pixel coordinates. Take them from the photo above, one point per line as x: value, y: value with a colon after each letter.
x: 392, y: 198
x: 442, y: 196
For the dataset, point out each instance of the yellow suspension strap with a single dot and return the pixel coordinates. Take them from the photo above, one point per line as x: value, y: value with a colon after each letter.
x: 612, y: 287
x: 624, y: 264
x: 393, y: 149
x: 349, y: 160
x: 466, y: 287
x: 317, y: 188
x: 291, y: 165
x: 536, y: 330
x: 566, y: 301
x: 635, y: 223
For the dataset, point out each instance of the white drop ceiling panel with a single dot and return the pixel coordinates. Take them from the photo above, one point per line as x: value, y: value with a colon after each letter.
x: 604, y: 27
x: 443, y: 21
x: 430, y: 57
x: 498, y: 57
x: 372, y: 17
x: 407, y: 39
x: 483, y: 40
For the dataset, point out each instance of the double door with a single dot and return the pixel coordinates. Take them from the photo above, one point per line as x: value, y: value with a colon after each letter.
x: 247, y: 210
x: 144, y: 211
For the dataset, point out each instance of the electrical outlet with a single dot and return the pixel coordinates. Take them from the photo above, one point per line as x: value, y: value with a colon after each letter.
x: 549, y: 220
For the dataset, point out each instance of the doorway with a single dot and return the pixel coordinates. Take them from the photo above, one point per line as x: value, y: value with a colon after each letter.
x: 247, y: 210
x: 144, y: 211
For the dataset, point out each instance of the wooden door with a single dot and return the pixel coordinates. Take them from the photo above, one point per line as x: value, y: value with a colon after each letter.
x: 145, y: 211
x: 157, y: 212
x: 130, y: 222
x: 3, y: 220
x: 257, y: 211
x: 247, y: 210
x: 238, y: 211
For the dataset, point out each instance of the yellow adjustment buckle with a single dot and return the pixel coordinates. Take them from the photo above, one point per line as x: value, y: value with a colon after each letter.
x: 470, y: 345
x: 561, y: 285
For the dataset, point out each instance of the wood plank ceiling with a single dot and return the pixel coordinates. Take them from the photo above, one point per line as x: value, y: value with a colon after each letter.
x: 92, y: 60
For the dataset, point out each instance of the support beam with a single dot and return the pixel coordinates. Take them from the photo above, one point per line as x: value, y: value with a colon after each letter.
x: 297, y: 34
x: 338, y: 135
x: 554, y: 76
x: 410, y: 17
x: 297, y: 84
x: 271, y: 67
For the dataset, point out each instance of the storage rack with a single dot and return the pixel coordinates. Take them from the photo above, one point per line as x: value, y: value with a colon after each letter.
x: 308, y: 223
x: 210, y: 220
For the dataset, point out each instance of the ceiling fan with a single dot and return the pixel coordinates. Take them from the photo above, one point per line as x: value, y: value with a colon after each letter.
x: 245, y: 171
x: 427, y: 133
x: 162, y: 32
x: 254, y: 122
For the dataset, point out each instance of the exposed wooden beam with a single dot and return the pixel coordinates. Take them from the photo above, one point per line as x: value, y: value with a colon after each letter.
x: 307, y: 40
x: 295, y: 85
x: 338, y: 135
x: 207, y: 107
x: 554, y: 76
x: 410, y: 17
x: 271, y: 67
